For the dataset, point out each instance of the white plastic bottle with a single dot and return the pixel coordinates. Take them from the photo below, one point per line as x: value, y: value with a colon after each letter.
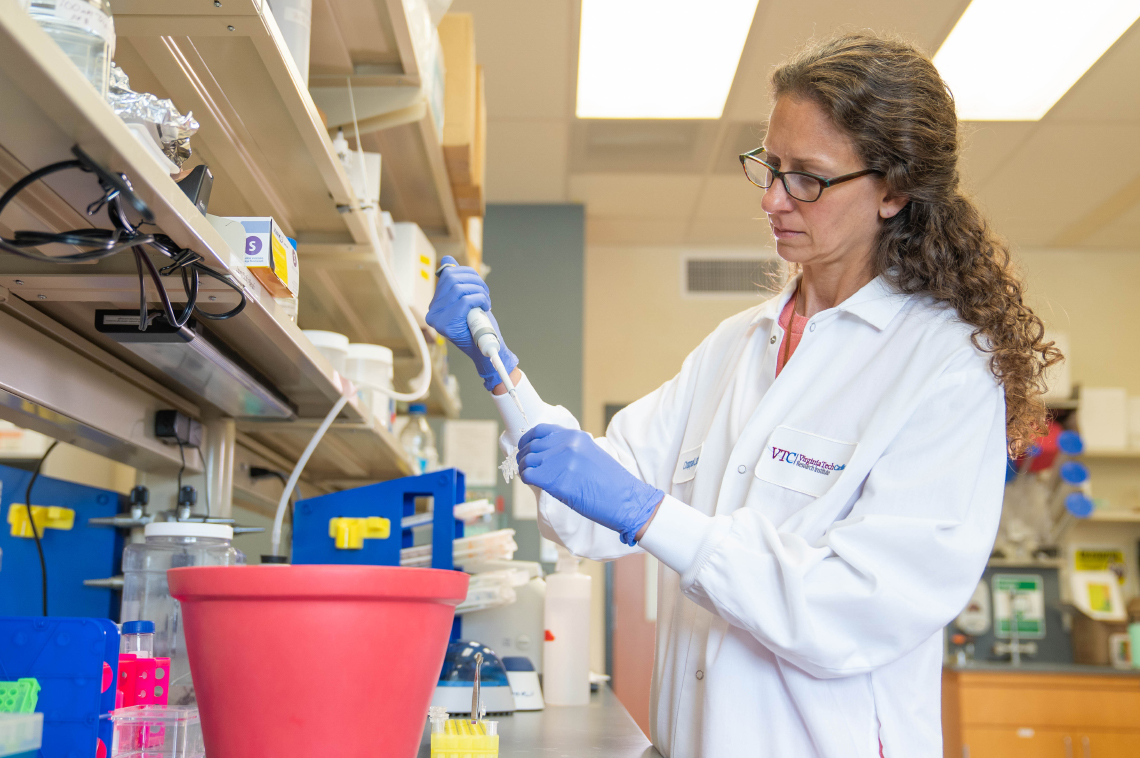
x: 419, y: 441
x: 84, y: 30
x: 566, y: 652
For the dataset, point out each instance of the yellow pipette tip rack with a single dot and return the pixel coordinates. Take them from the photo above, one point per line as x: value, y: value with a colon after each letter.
x: 460, y: 738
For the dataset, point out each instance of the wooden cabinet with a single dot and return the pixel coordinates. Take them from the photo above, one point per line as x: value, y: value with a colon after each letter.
x: 1006, y: 714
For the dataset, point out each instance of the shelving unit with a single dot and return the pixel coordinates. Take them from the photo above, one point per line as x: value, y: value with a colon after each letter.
x: 271, y: 155
x: 368, y: 43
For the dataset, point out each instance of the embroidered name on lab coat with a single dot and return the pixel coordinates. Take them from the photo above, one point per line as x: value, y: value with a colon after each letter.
x: 803, y: 462
x: 687, y: 465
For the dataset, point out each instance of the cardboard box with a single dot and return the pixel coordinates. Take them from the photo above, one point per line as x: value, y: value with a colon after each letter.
x: 457, y: 39
x: 270, y: 256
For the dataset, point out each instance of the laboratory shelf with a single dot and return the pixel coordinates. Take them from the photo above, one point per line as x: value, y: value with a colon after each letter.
x: 350, y: 454
x: 261, y: 133
x: 415, y: 185
x: 1127, y: 454
x: 368, y: 44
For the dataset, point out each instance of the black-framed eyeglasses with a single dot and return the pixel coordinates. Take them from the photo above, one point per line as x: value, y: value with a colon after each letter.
x: 800, y: 185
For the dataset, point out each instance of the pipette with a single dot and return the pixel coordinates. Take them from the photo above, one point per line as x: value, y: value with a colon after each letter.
x: 483, y: 333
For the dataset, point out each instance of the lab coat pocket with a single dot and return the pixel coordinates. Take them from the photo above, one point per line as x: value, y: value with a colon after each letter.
x: 803, y: 462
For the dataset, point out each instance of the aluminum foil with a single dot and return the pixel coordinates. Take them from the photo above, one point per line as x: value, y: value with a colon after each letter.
x: 170, y: 128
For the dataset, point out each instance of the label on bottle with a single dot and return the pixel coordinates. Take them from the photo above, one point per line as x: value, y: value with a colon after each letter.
x: 83, y: 14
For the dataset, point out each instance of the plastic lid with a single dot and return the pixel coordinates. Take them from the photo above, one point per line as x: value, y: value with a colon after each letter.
x: 364, y: 351
x: 1073, y: 472
x: 320, y: 338
x: 188, y: 529
x: 517, y: 663
x: 1079, y: 505
x: 138, y: 627
x: 1070, y: 443
x: 417, y: 408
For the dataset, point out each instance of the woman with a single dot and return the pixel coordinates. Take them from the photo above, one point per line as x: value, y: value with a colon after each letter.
x: 822, y: 481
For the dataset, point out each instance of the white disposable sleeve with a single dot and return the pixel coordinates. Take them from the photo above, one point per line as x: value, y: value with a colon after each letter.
x: 556, y: 520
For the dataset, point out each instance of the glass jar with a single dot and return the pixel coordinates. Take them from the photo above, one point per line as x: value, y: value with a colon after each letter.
x: 85, y: 31
x: 146, y: 595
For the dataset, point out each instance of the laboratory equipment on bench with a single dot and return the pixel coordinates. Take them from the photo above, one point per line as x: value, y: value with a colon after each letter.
x: 75, y: 549
x: 143, y: 679
x: 566, y: 651
x: 456, y: 689
x: 462, y: 738
x: 157, y: 731
x: 516, y: 629
x: 73, y: 662
x: 418, y: 440
x: 303, y: 661
x: 483, y: 334
x: 146, y: 595
x: 365, y: 526
x: 524, y: 683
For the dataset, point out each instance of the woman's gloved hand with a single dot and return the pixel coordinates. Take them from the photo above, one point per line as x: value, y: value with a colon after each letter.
x: 573, y: 468
x: 459, y: 290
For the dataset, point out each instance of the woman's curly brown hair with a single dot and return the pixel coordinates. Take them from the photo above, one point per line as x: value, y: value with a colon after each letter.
x: 888, y: 97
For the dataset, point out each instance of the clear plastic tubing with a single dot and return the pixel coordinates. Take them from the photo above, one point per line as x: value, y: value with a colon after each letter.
x: 138, y: 639
x: 84, y: 30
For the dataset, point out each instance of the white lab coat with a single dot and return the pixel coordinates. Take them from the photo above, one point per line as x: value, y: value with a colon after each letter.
x: 818, y: 531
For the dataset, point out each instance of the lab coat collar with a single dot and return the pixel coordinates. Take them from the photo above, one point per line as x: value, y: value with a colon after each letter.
x: 876, y: 303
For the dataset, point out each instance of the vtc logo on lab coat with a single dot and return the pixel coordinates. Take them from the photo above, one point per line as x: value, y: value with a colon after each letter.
x: 802, y: 461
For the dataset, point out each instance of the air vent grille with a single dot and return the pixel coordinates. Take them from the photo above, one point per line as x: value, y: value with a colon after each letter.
x: 732, y: 276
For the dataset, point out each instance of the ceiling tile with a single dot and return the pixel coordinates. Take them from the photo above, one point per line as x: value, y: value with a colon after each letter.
x: 1110, y: 90
x: 988, y: 144
x: 1122, y: 233
x: 526, y: 161
x: 730, y: 197
x: 635, y: 196
x: 525, y: 49
x: 657, y: 146
x: 1032, y: 198
x: 782, y: 26
x: 625, y: 231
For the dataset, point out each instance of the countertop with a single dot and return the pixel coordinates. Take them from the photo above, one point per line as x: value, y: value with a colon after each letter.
x: 602, y: 729
x: 1034, y: 667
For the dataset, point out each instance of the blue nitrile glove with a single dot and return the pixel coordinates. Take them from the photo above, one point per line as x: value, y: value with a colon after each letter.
x: 574, y: 469
x: 459, y: 290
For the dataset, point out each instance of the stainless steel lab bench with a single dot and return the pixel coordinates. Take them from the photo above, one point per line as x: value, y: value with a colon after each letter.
x: 602, y: 729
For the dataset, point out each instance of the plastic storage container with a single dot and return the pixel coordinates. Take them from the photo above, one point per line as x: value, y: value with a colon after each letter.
x: 146, y: 595
x: 21, y: 733
x: 332, y: 346
x: 419, y: 441
x: 85, y: 31
x: 137, y: 639
x: 566, y: 652
x: 157, y: 731
x: 371, y: 366
x: 342, y: 662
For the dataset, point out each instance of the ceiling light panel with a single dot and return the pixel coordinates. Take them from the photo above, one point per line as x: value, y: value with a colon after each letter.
x: 1012, y: 60
x: 659, y: 58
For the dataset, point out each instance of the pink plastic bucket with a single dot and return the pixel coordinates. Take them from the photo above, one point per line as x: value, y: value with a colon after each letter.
x: 311, y: 661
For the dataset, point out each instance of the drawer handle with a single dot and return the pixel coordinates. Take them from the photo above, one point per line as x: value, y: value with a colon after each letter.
x: 1086, y: 747
x: 1068, y: 746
